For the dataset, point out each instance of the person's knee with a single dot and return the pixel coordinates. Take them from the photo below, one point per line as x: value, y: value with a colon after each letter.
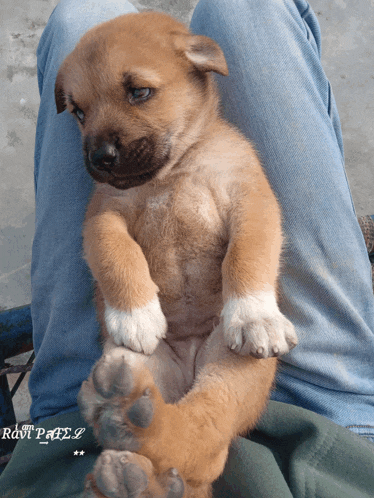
x: 232, y: 13
x: 240, y: 7
x: 72, y: 18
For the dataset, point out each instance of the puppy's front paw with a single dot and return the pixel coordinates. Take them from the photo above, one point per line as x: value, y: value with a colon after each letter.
x: 253, y: 325
x: 140, y: 329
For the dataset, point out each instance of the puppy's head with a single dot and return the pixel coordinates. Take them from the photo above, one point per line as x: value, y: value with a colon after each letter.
x: 140, y: 88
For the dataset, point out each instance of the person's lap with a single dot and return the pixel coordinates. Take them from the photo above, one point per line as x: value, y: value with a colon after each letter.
x: 278, y: 95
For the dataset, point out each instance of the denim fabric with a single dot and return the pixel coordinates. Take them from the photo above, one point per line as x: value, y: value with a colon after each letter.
x: 65, y: 330
x: 279, y: 96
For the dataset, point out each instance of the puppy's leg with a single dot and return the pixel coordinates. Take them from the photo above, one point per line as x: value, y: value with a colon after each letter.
x: 133, y: 314
x: 116, y: 384
x: 252, y: 321
x: 128, y: 413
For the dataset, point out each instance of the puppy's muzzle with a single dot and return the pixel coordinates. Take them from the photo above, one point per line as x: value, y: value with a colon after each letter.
x: 105, y: 158
x: 124, y: 166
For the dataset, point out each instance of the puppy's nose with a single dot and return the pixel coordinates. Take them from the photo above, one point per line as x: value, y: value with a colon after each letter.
x: 105, y: 157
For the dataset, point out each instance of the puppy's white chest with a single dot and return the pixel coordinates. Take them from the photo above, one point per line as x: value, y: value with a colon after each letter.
x: 188, y: 209
x: 158, y: 204
x: 158, y: 201
x: 196, y: 205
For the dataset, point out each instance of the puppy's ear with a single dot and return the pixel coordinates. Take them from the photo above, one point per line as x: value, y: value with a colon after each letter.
x: 59, y: 93
x: 204, y: 53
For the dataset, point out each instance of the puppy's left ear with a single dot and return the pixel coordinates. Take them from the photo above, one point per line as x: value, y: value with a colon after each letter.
x: 204, y: 53
x: 59, y: 93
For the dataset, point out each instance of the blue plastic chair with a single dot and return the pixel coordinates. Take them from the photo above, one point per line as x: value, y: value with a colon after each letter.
x: 15, y: 339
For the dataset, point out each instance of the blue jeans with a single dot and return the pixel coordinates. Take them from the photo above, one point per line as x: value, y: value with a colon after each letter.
x: 279, y: 96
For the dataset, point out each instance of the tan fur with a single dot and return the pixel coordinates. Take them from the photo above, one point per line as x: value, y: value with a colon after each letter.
x: 204, y: 231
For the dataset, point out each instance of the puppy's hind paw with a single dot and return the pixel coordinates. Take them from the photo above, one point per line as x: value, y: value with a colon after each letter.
x: 119, y: 402
x: 116, y: 475
x: 122, y: 474
x: 140, y: 329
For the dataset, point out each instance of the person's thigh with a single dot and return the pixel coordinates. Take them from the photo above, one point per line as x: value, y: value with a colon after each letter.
x: 65, y: 331
x: 279, y: 96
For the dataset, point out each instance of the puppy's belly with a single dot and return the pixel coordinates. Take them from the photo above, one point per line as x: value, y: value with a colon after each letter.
x: 190, y: 288
x: 191, y: 302
x: 180, y: 327
x: 184, y: 255
x: 176, y: 371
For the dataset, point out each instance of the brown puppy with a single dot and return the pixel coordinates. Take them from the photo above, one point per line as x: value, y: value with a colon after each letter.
x: 183, y: 237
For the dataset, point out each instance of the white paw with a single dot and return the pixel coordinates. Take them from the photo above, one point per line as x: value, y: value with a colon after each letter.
x: 139, y: 330
x: 253, y: 325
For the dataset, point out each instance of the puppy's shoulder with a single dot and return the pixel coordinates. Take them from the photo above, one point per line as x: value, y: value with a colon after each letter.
x: 107, y: 198
x: 228, y: 157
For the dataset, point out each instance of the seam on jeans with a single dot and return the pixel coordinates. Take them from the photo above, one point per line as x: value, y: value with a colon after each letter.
x: 368, y: 433
x: 308, y: 32
x: 329, y: 104
x: 360, y: 426
x: 306, y: 11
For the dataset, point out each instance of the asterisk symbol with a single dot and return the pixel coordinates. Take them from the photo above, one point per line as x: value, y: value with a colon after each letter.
x: 76, y: 453
x: 82, y: 453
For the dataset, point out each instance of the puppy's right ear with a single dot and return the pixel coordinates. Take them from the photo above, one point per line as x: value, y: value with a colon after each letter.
x: 204, y: 53
x: 59, y: 93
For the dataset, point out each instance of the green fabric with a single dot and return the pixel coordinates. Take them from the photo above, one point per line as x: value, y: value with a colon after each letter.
x: 297, y: 453
x: 292, y: 453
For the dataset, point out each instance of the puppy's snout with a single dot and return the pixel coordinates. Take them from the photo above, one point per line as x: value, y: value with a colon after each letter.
x: 105, y: 157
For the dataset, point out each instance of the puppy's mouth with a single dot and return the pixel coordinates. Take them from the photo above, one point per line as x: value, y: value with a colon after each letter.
x: 125, y: 167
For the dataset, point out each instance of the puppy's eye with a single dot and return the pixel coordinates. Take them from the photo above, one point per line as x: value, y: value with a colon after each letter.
x: 80, y: 114
x: 139, y: 95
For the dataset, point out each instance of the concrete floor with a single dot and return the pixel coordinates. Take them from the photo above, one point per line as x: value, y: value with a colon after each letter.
x: 347, y: 56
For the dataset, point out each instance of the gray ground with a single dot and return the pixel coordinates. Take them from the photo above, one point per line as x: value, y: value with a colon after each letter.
x: 347, y: 56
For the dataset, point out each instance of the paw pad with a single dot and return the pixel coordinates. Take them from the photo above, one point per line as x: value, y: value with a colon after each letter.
x: 135, y: 479
x: 113, y: 431
x: 112, y: 377
x: 141, y: 412
x: 117, y: 477
x: 176, y: 485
